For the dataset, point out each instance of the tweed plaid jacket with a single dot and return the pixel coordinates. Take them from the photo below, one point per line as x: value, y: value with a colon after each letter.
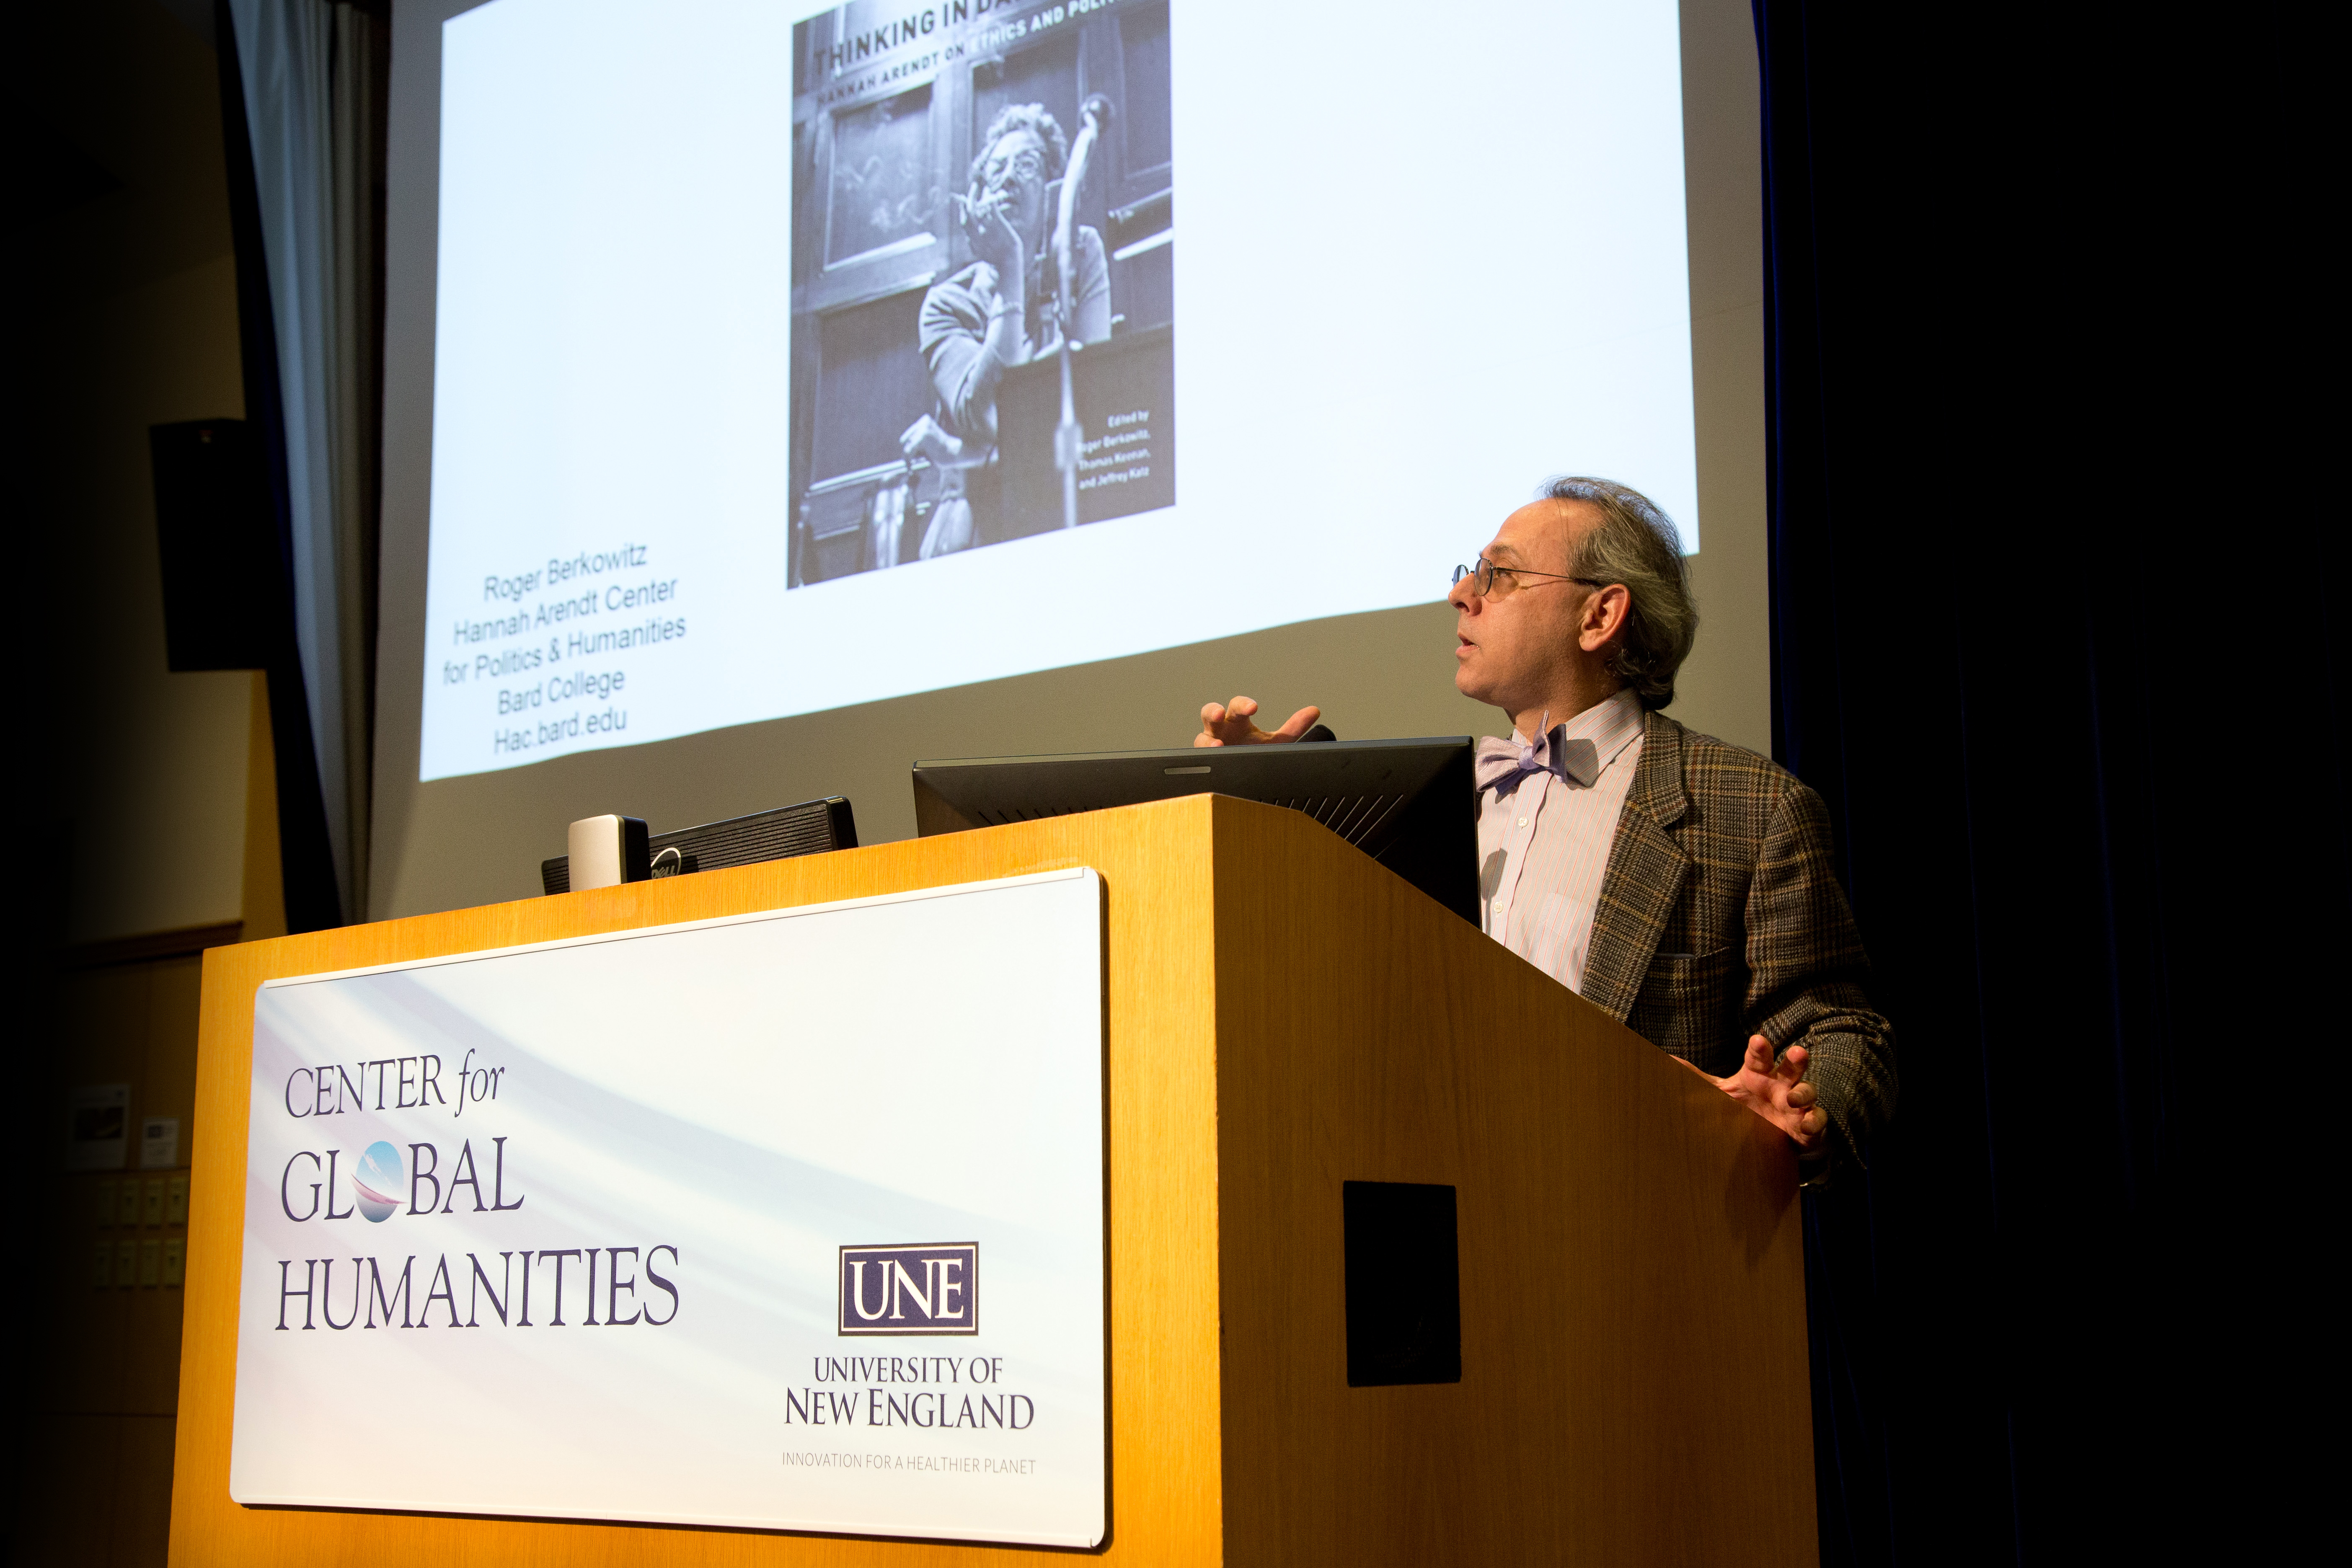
x: 1721, y: 917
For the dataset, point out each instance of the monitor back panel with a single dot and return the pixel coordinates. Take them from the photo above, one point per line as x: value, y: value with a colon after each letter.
x: 1407, y: 803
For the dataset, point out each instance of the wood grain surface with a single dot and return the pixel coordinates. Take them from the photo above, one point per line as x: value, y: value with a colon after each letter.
x: 1282, y: 1015
x: 1634, y: 1356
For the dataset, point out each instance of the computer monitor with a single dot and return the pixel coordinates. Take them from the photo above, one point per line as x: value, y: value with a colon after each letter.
x: 1407, y: 803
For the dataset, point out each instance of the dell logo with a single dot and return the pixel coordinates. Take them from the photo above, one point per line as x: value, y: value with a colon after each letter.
x: 923, y: 1289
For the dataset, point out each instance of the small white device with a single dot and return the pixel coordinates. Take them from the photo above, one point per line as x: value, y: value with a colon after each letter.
x: 609, y: 850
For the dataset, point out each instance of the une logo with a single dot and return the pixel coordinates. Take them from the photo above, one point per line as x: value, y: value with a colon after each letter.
x: 921, y: 1289
x: 376, y: 1182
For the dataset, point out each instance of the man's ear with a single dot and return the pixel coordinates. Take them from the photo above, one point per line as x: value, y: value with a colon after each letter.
x: 1606, y: 612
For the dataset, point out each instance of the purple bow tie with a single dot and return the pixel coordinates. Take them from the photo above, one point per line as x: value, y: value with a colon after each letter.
x: 1504, y: 765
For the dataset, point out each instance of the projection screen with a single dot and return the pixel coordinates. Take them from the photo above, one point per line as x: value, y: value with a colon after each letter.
x: 712, y: 406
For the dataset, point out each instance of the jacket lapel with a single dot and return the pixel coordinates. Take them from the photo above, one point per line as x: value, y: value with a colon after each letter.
x: 1645, y: 874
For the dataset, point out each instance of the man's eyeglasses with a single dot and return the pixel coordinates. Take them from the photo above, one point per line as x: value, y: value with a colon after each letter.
x: 1482, y: 576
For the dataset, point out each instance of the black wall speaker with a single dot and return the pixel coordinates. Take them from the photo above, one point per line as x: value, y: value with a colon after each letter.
x: 224, y: 589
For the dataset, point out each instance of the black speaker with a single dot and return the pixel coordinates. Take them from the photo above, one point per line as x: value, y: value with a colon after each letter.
x: 223, y: 590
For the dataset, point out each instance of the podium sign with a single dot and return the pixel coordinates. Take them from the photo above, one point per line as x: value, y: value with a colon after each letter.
x: 790, y: 1220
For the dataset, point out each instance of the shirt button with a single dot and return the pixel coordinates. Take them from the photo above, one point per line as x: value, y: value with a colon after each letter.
x: 1523, y: 822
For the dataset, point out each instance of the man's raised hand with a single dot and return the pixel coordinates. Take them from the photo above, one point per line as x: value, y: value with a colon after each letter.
x: 1776, y: 1091
x: 1228, y: 724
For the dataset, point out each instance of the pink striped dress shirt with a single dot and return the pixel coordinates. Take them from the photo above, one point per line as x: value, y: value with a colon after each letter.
x: 1544, y: 846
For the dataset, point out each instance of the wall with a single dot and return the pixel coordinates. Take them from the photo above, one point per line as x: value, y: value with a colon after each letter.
x: 104, y: 1392
x: 1728, y: 689
x: 456, y: 842
x: 149, y: 792
x: 140, y: 329
x: 156, y: 816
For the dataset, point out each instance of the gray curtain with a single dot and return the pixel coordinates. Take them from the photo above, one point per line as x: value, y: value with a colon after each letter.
x: 314, y: 74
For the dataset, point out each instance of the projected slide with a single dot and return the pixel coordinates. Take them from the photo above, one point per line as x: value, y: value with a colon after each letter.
x: 983, y: 357
x: 787, y: 359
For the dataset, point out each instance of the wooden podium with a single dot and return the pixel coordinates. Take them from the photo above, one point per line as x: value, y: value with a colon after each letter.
x: 1283, y: 1016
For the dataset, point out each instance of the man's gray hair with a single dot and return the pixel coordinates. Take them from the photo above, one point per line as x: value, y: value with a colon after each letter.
x: 1634, y: 543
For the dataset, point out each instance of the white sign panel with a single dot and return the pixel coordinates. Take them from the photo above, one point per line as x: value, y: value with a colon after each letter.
x: 789, y: 1221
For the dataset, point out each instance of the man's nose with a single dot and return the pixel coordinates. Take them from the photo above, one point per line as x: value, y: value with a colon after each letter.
x: 1461, y: 596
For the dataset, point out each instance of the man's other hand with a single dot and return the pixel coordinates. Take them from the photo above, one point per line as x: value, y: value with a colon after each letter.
x: 1228, y: 724
x: 1776, y: 1091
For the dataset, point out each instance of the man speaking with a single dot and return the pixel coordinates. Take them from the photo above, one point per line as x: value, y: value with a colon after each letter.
x: 1683, y: 884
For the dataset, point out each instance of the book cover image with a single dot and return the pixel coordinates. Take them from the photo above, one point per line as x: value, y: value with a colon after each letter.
x: 982, y: 277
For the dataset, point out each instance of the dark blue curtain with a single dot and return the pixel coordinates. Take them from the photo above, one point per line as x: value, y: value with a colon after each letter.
x: 306, y: 855
x: 2058, y: 653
